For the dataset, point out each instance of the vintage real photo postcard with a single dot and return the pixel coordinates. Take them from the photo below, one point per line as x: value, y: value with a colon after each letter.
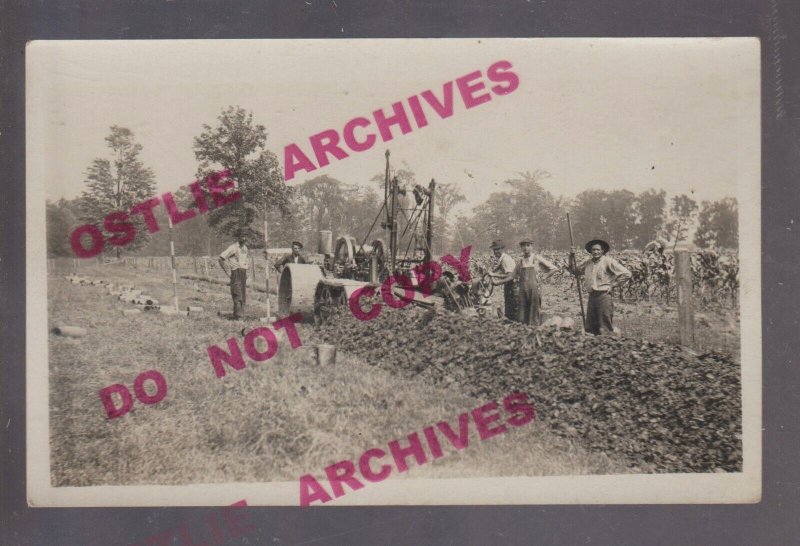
x: 377, y: 272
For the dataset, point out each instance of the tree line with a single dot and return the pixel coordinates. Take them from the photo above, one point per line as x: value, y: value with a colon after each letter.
x: 522, y: 208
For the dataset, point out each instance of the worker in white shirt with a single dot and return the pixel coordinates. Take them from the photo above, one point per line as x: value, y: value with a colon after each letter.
x: 234, y: 261
x: 601, y: 274
x: 503, y: 274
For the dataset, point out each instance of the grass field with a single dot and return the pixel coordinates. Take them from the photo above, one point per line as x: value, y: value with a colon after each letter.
x: 273, y: 421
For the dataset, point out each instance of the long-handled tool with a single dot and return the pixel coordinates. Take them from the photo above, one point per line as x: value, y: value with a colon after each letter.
x: 573, y: 264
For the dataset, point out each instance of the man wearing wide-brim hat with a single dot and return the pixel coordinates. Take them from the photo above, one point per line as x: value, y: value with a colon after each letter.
x: 294, y: 258
x: 602, y: 273
x: 528, y: 269
x: 234, y: 261
x: 503, y: 274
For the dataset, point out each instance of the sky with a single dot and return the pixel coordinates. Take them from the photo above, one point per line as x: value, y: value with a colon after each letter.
x: 677, y: 114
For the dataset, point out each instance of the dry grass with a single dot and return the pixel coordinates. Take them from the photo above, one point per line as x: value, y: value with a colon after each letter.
x: 273, y: 421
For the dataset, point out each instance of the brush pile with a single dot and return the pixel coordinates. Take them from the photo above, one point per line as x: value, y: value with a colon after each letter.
x: 654, y: 405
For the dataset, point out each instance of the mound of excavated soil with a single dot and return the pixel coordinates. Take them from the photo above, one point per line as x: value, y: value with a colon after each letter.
x: 654, y: 405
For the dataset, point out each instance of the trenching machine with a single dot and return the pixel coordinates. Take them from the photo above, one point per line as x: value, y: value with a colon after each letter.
x: 407, y: 220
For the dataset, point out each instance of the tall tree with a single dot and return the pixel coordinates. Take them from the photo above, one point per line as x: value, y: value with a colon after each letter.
x: 682, y: 213
x: 650, y: 213
x: 194, y: 237
x: 406, y: 179
x: 363, y: 205
x: 61, y: 219
x: 446, y: 196
x: 239, y: 145
x: 118, y: 184
x: 609, y: 215
x: 325, y: 202
x: 718, y: 224
x: 527, y: 209
x: 404, y: 174
x: 492, y: 220
x: 536, y: 211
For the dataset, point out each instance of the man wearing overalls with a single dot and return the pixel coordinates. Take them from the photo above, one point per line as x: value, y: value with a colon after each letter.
x: 530, y: 298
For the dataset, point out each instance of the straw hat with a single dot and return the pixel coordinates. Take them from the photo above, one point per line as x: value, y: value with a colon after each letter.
x: 604, y: 245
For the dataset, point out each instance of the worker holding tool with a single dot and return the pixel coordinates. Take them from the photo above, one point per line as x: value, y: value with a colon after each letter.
x: 601, y: 273
x: 234, y: 261
x: 503, y: 274
x: 527, y: 272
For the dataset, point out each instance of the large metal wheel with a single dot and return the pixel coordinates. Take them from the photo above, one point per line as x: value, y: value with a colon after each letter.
x: 344, y: 256
x: 297, y: 289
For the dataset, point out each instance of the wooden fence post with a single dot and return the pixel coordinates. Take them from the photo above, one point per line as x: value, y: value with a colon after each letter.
x: 205, y: 266
x: 683, y: 280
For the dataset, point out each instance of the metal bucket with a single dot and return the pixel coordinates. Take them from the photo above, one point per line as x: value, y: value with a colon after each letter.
x: 326, y: 355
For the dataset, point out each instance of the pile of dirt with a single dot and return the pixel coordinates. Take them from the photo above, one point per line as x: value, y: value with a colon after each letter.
x: 655, y: 405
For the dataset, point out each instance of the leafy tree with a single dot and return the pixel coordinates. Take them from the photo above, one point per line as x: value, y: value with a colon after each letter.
x: 609, y: 215
x: 682, y: 213
x: 464, y: 232
x: 537, y: 212
x: 718, y: 224
x: 404, y: 175
x: 526, y: 210
x: 362, y: 209
x: 239, y: 145
x: 491, y: 220
x: 406, y: 179
x: 650, y: 213
x: 62, y: 217
x: 193, y: 237
x: 325, y: 201
x: 445, y: 198
x: 118, y: 184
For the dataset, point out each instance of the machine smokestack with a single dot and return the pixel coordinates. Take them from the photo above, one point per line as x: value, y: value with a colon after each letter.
x: 325, y: 245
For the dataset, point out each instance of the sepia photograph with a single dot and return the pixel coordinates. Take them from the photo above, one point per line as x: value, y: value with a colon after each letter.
x: 393, y: 272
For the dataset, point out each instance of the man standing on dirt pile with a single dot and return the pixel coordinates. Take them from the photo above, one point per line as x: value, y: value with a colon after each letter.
x: 294, y: 258
x: 526, y: 271
x: 602, y: 273
x: 503, y: 274
x: 236, y: 259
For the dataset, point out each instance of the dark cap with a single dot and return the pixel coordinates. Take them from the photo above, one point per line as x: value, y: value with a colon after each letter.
x: 298, y: 243
x: 526, y: 242
x: 497, y: 244
x: 241, y: 232
x: 604, y: 245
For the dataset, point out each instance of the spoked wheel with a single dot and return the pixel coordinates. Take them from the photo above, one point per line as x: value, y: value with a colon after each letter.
x: 328, y: 300
x: 344, y: 256
x: 485, y: 288
x: 380, y: 251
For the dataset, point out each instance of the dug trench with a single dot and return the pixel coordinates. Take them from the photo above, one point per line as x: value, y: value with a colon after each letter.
x: 654, y: 406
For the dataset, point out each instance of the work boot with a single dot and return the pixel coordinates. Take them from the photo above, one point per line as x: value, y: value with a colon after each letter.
x: 237, y: 310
